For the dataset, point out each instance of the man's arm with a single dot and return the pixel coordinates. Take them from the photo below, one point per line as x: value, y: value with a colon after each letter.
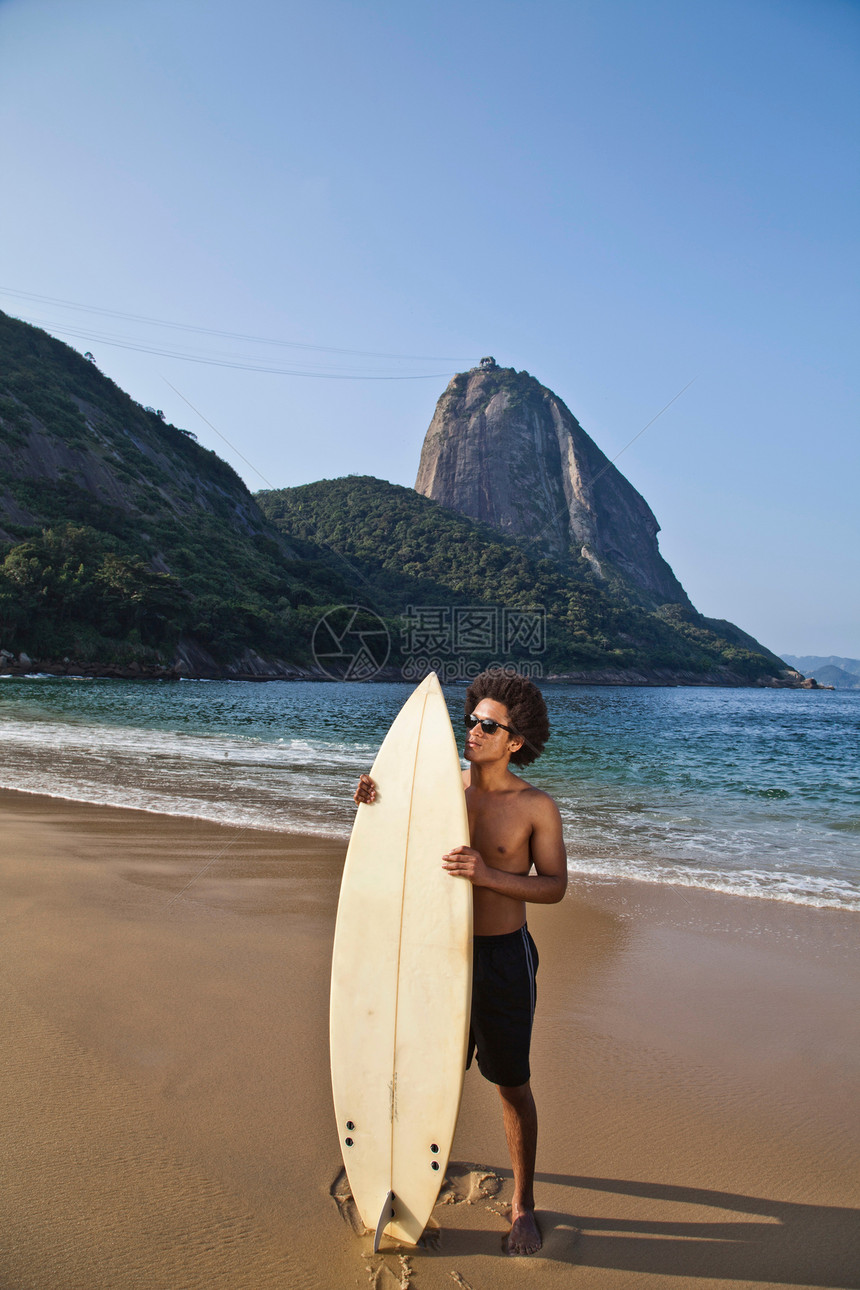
x: 548, y: 855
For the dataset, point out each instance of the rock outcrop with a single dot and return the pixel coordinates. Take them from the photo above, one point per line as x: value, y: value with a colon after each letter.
x: 504, y: 449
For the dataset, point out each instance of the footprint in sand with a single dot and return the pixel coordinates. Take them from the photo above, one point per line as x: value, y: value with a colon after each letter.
x: 384, y: 1277
x: 468, y: 1184
x: 464, y: 1184
x: 342, y: 1197
x: 560, y: 1236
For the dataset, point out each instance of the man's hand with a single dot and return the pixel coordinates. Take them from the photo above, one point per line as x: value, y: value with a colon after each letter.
x: 466, y: 862
x: 366, y: 791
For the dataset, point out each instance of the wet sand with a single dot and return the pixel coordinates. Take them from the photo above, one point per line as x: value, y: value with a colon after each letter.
x: 165, y: 1114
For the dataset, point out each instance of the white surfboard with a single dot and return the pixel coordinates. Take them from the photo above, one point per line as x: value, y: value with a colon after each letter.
x: 401, y: 974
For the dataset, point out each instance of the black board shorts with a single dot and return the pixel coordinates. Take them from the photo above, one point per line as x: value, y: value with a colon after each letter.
x: 503, y: 1006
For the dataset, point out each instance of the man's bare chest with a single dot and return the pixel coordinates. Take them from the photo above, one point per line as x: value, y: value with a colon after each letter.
x: 501, y: 831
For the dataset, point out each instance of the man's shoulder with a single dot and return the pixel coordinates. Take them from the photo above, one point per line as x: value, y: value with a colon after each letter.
x: 535, y: 799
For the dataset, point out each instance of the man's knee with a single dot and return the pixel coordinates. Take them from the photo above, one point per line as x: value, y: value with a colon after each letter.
x: 518, y: 1096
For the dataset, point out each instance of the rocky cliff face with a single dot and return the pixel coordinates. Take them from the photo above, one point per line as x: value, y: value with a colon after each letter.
x: 504, y: 449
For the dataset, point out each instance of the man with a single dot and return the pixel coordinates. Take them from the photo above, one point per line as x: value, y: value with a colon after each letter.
x: 514, y: 828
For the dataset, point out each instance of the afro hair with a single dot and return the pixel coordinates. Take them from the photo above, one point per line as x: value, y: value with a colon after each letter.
x: 525, y: 705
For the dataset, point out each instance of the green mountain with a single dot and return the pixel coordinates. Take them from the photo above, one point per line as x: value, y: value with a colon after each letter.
x: 409, y: 556
x: 122, y: 540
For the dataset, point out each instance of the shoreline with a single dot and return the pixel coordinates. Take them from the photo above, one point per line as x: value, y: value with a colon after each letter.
x: 593, y: 880
x: 167, y: 1114
x: 258, y: 670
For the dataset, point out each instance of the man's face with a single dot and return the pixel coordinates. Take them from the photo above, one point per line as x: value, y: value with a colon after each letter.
x: 484, y: 748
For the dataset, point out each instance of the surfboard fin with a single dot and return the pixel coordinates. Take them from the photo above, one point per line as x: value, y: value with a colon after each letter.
x: 384, y: 1219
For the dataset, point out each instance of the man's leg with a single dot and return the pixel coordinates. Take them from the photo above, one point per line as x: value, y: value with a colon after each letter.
x: 518, y: 1108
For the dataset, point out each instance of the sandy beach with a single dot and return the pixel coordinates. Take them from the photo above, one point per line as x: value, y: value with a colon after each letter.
x: 165, y: 1106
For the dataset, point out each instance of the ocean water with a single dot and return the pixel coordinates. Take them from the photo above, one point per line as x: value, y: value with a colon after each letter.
x: 751, y: 792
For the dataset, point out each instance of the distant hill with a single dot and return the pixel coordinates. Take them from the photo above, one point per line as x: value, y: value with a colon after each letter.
x: 122, y: 539
x: 841, y: 673
x: 837, y: 677
x: 811, y: 664
x: 403, y: 550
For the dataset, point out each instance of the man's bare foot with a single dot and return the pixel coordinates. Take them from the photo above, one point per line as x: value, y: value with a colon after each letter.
x: 524, y: 1236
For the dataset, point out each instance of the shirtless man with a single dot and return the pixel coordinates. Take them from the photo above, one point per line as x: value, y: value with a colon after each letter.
x: 514, y: 828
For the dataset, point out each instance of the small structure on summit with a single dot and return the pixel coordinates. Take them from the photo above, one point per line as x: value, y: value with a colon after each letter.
x: 488, y: 362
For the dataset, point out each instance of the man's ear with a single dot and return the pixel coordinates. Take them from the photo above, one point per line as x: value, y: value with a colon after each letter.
x: 515, y: 744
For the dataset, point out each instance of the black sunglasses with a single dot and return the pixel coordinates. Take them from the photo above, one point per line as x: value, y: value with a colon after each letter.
x: 488, y: 726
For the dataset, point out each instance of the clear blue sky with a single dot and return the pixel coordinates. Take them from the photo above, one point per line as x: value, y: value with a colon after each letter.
x: 617, y: 195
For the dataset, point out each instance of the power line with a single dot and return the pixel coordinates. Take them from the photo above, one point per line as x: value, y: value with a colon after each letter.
x: 640, y: 432
x: 118, y: 338
x: 218, y: 432
x: 612, y: 462
x: 97, y: 338
x: 318, y: 541
x: 228, y: 335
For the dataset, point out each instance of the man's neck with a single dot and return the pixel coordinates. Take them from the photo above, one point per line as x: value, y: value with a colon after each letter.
x: 496, y: 778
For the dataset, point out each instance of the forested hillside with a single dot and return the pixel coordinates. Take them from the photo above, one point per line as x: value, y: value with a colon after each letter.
x: 401, y: 549
x: 121, y: 538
